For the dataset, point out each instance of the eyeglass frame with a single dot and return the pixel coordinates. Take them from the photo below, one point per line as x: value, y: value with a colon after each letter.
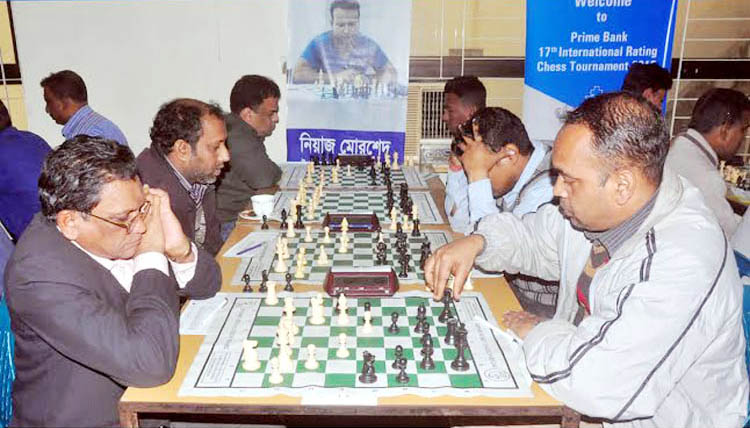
x: 142, y: 212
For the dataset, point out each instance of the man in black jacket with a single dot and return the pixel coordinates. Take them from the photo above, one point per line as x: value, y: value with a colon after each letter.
x: 93, y: 285
x: 188, y: 151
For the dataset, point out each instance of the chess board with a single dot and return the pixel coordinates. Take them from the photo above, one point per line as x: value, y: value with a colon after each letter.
x: 360, y: 256
x: 494, y: 368
x: 363, y: 202
x: 359, y: 179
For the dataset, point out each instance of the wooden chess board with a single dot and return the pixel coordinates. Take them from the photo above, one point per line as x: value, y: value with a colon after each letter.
x: 217, y: 369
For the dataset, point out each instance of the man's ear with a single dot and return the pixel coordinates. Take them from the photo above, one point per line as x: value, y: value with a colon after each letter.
x: 624, y: 181
x: 510, y: 153
x: 182, y: 151
x: 69, y: 223
x: 247, y: 114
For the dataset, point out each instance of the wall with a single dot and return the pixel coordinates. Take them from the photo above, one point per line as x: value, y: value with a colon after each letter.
x: 135, y: 55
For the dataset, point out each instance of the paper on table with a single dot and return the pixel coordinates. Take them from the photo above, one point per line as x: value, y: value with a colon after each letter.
x: 197, y: 316
x: 340, y: 397
x: 244, y: 248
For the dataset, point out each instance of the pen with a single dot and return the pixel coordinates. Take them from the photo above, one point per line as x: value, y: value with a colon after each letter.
x: 249, y: 249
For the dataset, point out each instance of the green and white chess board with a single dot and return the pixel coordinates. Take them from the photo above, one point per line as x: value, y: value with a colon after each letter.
x: 362, y: 202
x: 494, y: 370
x: 359, y: 179
x: 360, y: 255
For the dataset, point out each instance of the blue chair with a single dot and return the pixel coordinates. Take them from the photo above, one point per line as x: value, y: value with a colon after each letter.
x: 7, y: 368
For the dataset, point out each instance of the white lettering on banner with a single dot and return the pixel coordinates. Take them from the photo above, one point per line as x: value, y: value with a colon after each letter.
x: 604, y: 3
x: 364, y: 147
x: 316, y: 144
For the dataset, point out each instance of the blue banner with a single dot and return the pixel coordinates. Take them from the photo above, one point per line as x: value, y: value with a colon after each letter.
x: 304, y: 143
x: 580, y: 48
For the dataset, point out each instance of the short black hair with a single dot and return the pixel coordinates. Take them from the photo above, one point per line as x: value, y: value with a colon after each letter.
x: 180, y: 119
x: 499, y: 127
x: 344, y: 4
x: 74, y: 173
x: 716, y: 107
x: 644, y: 76
x: 469, y: 89
x: 627, y: 131
x: 66, y: 84
x: 250, y: 91
x: 4, y: 117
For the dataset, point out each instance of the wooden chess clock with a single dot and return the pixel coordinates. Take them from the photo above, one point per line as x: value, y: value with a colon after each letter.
x: 357, y: 222
x: 376, y: 281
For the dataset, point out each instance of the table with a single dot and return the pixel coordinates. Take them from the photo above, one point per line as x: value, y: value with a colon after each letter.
x: 442, y: 411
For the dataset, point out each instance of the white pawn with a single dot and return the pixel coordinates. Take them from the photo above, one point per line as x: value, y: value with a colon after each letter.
x: 327, y: 237
x: 276, y: 377
x: 316, y: 312
x: 308, y: 237
x: 250, y: 361
x: 289, y: 305
x: 311, y: 363
x: 323, y: 258
x: 367, y: 327
x: 343, y: 244
x: 380, y: 236
x: 343, y: 317
x: 394, y: 164
x: 285, y: 248
x: 348, y: 170
x: 342, y: 352
x: 299, y: 272
x: 271, y: 298
x: 290, y: 230
x: 285, y: 359
x: 301, y: 255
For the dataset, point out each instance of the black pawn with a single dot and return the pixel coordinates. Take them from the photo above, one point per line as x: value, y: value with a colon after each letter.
x: 416, y: 231
x: 447, y: 300
x: 247, y: 288
x: 427, y: 362
x: 263, y: 280
x: 265, y: 222
x: 394, y: 323
x: 402, y: 377
x: 288, y: 278
x: 298, y: 224
x: 398, y: 353
x: 460, y: 363
x: 284, y: 216
x: 368, y: 369
x: 404, y: 268
x: 450, y: 336
x: 426, y: 339
x: 425, y: 327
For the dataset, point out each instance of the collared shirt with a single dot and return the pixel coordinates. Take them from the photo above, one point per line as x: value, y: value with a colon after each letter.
x: 365, y: 55
x: 692, y: 157
x: 467, y: 203
x: 88, y: 122
x: 125, y: 270
x: 613, y: 239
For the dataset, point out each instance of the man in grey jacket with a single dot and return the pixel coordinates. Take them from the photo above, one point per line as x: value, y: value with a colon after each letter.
x: 647, y: 331
x: 92, y: 288
x: 254, y: 102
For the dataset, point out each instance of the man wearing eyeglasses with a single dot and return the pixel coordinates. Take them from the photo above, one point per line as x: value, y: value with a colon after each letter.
x: 93, y: 286
x: 187, y: 154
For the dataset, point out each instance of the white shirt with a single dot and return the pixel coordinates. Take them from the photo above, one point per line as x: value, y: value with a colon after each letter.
x: 700, y: 167
x: 124, y: 270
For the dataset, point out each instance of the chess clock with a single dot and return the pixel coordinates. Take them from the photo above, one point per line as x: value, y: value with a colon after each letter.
x: 376, y: 281
x: 360, y: 161
x: 357, y: 222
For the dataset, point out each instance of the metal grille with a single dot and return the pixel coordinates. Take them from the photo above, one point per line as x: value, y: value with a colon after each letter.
x: 432, y: 111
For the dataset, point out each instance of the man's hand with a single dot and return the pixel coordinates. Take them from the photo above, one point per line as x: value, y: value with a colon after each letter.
x: 477, y: 159
x: 456, y: 258
x: 521, y: 322
x: 454, y: 163
x: 176, y: 245
x: 153, y: 237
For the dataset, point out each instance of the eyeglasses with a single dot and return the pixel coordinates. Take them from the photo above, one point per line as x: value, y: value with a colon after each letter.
x: 128, y: 224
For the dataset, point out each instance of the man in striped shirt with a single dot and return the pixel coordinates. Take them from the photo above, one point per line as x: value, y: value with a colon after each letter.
x: 67, y: 103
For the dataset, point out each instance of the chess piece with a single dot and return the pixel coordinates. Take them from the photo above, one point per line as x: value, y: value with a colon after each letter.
x: 316, y: 311
x: 280, y: 263
x: 342, y: 352
x: 426, y: 339
x: 299, y: 271
x: 368, y: 369
x: 298, y: 223
x: 404, y: 267
x: 286, y: 365
x: 425, y: 327
x: 447, y: 300
x: 427, y: 362
x: 323, y: 258
x: 263, y: 281
x: 247, y: 288
x: 308, y: 237
x: 250, y: 361
x: 327, y: 237
x: 349, y: 170
x: 311, y: 363
x: 398, y: 352
x: 367, y: 326
x: 290, y: 230
x: 402, y: 377
x: 344, y: 225
x: 271, y: 299
x: 275, y: 378
x: 450, y: 336
x: 460, y: 363
x: 394, y: 329
x: 343, y: 244
x: 415, y: 231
